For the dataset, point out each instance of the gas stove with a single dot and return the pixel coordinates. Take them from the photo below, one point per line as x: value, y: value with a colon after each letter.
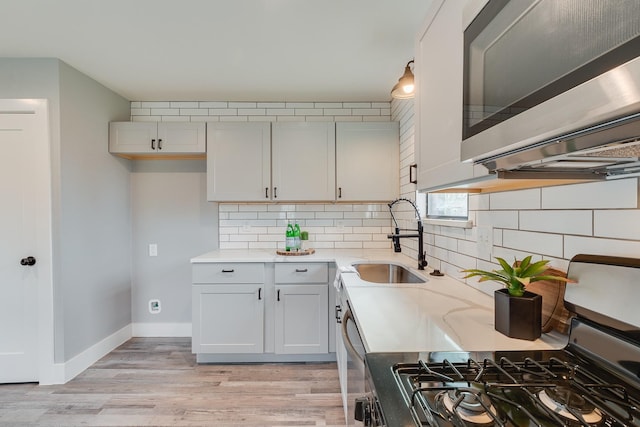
x: 593, y: 381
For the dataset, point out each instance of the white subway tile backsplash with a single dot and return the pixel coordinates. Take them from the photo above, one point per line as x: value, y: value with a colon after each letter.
x: 193, y: 112
x: 619, y: 224
x: 242, y: 104
x: 541, y: 243
x: 479, y: 202
x: 184, y: 104
x: 563, y: 222
x: 299, y: 105
x: 165, y: 111
x: 366, y: 111
x: 213, y: 104
x: 308, y: 112
x: 620, y: 194
x: 574, y: 245
x: 522, y: 199
x: 500, y: 219
x: 280, y: 111
x: 252, y: 111
x: 223, y: 112
x: 328, y: 105
x: 337, y: 111
x: 271, y: 105
x: 155, y: 104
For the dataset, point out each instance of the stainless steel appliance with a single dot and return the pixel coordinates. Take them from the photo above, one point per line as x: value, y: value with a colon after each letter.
x: 350, y: 354
x: 553, y: 87
x: 593, y: 381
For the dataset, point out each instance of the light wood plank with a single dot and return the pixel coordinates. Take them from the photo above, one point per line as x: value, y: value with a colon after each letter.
x: 157, y: 382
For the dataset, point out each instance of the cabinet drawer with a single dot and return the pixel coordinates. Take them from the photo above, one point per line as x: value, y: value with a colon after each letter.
x: 228, y: 273
x: 300, y: 272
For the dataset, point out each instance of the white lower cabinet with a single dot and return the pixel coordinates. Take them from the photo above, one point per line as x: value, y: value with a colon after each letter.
x: 302, y: 314
x: 254, y: 312
x: 228, y: 319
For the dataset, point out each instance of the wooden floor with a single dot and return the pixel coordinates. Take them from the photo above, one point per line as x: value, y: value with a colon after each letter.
x: 156, y: 382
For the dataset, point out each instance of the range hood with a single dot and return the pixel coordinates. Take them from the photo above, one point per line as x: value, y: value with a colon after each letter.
x: 605, y: 151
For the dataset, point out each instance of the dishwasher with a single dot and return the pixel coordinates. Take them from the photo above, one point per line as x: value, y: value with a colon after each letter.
x: 350, y: 353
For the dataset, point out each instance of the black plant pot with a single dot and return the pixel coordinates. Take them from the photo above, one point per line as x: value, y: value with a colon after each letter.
x: 518, y: 317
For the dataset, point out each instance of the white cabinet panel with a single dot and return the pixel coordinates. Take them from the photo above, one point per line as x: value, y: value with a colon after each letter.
x: 302, y: 324
x: 438, y: 102
x: 367, y: 159
x: 303, y: 166
x: 168, y: 138
x: 238, y: 161
x: 228, y: 318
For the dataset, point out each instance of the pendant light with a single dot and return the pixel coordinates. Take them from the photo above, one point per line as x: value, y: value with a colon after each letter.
x: 404, y: 89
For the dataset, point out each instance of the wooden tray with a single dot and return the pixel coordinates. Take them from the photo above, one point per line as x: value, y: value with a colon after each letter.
x: 296, y: 253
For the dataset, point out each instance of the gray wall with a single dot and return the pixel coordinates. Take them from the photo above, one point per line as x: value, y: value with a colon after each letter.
x: 95, y: 220
x: 90, y: 201
x: 170, y: 209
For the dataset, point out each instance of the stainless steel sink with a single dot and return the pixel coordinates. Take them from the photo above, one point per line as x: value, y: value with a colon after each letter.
x: 386, y: 273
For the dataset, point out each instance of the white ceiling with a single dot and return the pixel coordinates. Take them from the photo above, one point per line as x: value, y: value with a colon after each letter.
x: 231, y: 50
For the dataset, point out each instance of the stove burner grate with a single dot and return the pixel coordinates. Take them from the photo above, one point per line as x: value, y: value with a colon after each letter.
x: 503, y: 393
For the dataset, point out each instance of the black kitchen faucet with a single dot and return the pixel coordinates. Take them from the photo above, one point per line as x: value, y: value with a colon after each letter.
x: 422, y: 262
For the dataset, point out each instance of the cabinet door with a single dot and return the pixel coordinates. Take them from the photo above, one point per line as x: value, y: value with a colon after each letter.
x: 367, y: 158
x: 238, y: 161
x: 302, y: 319
x: 438, y: 103
x: 228, y: 318
x: 303, y: 164
x: 181, y: 137
x: 133, y: 137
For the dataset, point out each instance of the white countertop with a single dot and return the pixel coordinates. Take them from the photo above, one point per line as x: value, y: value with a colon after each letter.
x: 442, y: 314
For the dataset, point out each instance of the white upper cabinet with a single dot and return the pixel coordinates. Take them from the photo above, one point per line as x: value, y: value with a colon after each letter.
x: 156, y: 139
x: 438, y: 102
x: 367, y: 161
x: 238, y: 161
x: 304, y: 161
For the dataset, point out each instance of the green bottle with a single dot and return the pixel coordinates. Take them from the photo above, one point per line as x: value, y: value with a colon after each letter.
x: 296, y: 237
x: 289, y: 238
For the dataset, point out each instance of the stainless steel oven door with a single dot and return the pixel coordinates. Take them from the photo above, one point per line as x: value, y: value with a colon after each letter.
x: 355, y: 365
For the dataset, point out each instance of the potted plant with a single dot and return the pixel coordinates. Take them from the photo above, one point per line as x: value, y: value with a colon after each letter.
x: 518, y: 312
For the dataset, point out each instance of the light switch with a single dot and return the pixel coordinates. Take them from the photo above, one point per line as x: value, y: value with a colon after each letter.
x: 153, y: 249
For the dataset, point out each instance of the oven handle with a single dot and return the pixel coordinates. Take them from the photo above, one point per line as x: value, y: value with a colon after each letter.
x: 345, y: 336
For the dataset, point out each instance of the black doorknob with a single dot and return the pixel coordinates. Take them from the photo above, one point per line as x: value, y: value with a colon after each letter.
x: 28, y: 260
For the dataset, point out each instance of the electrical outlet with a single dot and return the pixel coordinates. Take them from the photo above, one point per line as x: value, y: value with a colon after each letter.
x: 153, y: 249
x: 246, y: 227
x: 154, y: 306
x: 340, y: 225
x: 485, y: 242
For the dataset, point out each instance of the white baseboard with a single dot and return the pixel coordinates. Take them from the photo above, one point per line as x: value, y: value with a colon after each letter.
x: 64, y: 372
x: 161, y: 329
x: 61, y: 373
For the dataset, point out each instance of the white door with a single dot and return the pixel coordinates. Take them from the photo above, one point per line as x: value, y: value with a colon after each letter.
x: 20, y: 226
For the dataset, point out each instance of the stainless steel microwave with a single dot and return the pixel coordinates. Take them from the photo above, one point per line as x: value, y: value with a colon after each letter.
x: 536, y: 72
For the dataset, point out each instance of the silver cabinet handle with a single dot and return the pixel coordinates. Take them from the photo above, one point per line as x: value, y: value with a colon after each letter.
x: 301, y: 270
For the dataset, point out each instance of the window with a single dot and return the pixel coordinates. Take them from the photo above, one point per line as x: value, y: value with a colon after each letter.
x: 447, y: 206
